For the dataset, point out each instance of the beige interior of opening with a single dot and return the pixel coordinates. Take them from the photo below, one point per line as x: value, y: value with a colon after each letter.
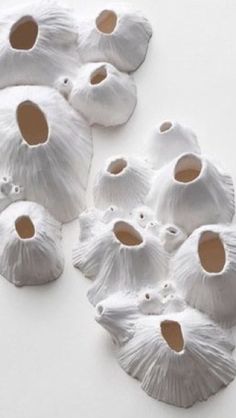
x: 188, y: 168
x: 98, y: 75
x: 24, y: 33
x: 165, y: 126
x: 106, y: 21
x: 24, y: 227
x: 126, y: 234
x: 211, y: 252
x: 117, y: 166
x: 172, y: 333
x: 32, y: 123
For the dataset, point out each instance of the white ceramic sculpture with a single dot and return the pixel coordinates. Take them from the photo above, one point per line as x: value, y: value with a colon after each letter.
x: 102, y: 94
x: 47, y: 148
x: 179, y: 357
x: 189, y: 192
x: 168, y: 141
x: 120, y: 256
x: 38, y: 43
x: 117, y: 35
x: 9, y: 191
x: 30, y: 245
x: 124, y: 182
x: 204, y: 269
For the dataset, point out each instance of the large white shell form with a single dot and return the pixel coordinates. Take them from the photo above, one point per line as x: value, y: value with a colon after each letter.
x: 123, y: 182
x: 179, y: 357
x: 30, y: 246
x: 121, y: 256
x: 103, y: 95
x: 189, y: 192
x: 168, y: 141
x: 38, y: 43
x: 47, y: 147
x: 117, y: 35
x: 204, y: 269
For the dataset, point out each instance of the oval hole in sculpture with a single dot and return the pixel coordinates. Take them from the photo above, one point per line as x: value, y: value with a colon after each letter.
x: 165, y: 126
x: 172, y: 333
x: 25, y: 227
x: 106, y: 21
x: 98, y: 75
x: 127, y: 234
x: 24, y: 33
x: 32, y: 123
x: 117, y: 166
x: 188, y: 168
x: 211, y: 252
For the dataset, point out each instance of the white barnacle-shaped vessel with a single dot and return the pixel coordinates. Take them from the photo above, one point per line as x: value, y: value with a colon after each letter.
x: 189, y: 192
x: 30, y: 247
x: 204, y: 269
x: 121, y: 256
x: 38, y: 43
x: 47, y: 147
x: 123, y: 182
x: 179, y: 357
x: 117, y: 35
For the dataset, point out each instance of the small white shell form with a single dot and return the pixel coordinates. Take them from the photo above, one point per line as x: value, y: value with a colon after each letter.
x: 38, y: 43
x: 204, y: 269
x: 168, y: 141
x: 123, y: 182
x: 47, y: 147
x: 103, y: 95
x: 116, y: 35
x: 189, y: 192
x: 179, y: 357
x: 9, y: 191
x: 30, y: 246
x: 122, y: 257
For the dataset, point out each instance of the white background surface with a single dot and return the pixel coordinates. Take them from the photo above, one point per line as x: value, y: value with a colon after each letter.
x: 55, y: 361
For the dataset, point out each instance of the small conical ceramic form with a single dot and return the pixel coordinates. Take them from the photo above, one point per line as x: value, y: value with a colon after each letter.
x: 30, y: 246
x: 103, y: 95
x: 122, y: 257
x: 9, y: 191
x: 124, y: 182
x: 38, y: 43
x: 47, y: 147
x: 180, y: 358
x: 168, y: 141
x: 116, y: 35
x: 189, y: 192
x: 204, y: 269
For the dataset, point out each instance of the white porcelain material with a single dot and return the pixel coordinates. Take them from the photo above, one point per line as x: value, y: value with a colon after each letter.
x: 189, y: 192
x: 204, y: 269
x: 38, y: 43
x: 117, y: 35
x: 9, y: 191
x: 30, y: 245
x: 169, y: 140
x: 47, y: 147
x: 120, y: 256
x: 123, y: 182
x: 103, y: 94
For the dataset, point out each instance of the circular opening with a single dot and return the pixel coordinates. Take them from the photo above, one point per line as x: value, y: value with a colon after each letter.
x: 188, y: 168
x: 172, y: 333
x: 98, y: 75
x: 211, y: 252
x: 24, y: 227
x: 106, y: 21
x: 32, y: 123
x: 126, y: 234
x: 24, y: 33
x: 100, y: 309
x: 117, y: 166
x: 172, y: 230
x: 165, y: 126
x: 147, y: 296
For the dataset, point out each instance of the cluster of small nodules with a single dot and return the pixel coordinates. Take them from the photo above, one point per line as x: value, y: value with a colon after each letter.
x: 160, y: 300
x: 9, y: 189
